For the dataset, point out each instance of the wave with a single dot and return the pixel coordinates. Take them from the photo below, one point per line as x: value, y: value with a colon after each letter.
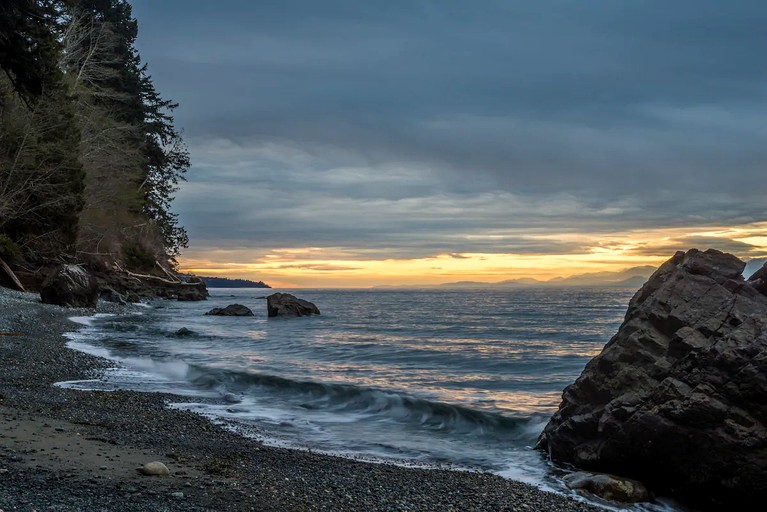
x: 374, y: 403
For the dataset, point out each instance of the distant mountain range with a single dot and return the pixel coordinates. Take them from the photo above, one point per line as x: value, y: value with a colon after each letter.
x: 225, y: 282
x: 633, y: 277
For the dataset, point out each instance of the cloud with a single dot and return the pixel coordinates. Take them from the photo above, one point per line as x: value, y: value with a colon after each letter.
x: 420, y: 128
x: 684, y: 243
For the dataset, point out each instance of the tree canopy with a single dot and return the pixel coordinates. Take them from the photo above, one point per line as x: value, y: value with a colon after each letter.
x: 90, y: 158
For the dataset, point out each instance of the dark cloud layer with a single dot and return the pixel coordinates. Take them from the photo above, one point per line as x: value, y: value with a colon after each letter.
x: 439, y: 126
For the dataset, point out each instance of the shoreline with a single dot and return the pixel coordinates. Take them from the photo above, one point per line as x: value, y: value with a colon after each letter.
x: 64, y: 449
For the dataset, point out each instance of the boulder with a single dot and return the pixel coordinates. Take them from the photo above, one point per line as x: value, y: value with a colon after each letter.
x: 608, y: 487
x: 285, y: 304
x: 183, y: 333
x: 231, y: 310
x: 70, y: 285
x: 192, y: 290
x: 678, y: 397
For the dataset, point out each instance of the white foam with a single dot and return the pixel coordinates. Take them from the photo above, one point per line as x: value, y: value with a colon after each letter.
x: 81, y: 346
x: 82, y: 320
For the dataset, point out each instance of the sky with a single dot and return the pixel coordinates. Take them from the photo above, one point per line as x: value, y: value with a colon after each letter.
x: 349, y: 143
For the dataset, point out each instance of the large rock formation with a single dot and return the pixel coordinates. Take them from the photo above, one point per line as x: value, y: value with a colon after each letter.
x: 285, y: 304
x: 678, y: 397
x: 70, y: 285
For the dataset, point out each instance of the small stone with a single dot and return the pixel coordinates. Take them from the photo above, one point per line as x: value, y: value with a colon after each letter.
x: 177, y: 494
x: 231, y: 398
x: 155, y: 468
x: 609, y: 487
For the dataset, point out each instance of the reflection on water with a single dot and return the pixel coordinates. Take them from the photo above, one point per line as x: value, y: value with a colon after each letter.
x: 467, y: 378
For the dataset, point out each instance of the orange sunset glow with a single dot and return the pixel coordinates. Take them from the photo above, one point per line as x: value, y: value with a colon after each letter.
x: 312, y: 267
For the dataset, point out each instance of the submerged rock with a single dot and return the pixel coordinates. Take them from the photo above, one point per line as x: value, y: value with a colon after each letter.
x: 285, y: 304
x: 608, y: 487
x: 676, y: 399
x: 70, y: 285
x: 231, y: 310
x: 183, y: 333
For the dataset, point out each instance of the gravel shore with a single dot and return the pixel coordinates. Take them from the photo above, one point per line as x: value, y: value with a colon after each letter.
x: 64, y: 450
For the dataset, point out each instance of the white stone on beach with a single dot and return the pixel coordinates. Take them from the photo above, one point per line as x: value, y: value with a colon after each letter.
x: 155, y: 468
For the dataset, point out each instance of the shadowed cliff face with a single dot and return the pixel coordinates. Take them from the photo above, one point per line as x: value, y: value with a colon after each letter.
x: 678, y: 397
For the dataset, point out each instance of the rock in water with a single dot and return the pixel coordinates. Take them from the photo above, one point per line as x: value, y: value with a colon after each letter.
x: 70, y: 285
x: 609, y: 487
x: 285, y: 304
x: 193, y: 290
x: 678, y: 397
x: 231, y: 310
x: 184, y: 332
x: 155, y: 468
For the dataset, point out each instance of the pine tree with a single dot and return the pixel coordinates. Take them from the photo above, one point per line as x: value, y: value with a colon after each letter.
x: 41, y: 178
x: 111, y: 76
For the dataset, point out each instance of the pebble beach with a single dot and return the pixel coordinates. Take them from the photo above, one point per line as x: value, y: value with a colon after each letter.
x: 63, y: 449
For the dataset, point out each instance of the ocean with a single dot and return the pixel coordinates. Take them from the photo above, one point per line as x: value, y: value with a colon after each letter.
x: 464, y: 379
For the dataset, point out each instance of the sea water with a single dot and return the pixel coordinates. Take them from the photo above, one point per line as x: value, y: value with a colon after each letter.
x: 455, y: 378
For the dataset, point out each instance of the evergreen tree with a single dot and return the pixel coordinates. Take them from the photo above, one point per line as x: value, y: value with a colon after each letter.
x: 41, y: 179
x: 118, y: 83
x: 81, y: 124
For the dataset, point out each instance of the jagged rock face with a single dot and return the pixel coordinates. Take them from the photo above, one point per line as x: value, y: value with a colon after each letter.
x: 678, y: 397
x: 285, y: 304
x: 70, y: 285
x: 231, y: 310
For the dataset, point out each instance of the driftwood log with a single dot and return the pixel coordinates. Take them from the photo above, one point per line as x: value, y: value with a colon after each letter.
x: 10, y: 276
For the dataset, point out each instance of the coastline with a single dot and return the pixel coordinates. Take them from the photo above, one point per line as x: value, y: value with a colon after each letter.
x: 63, y: 449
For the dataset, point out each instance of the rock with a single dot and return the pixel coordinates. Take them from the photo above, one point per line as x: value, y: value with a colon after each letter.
x: 155, y: 468
x: 231, y: 310
x: 70, y: 285
x: 608, y: 487
x: 192, y: 290
x: 676, y: 399
x: 759, y: 280
x: 231, y: 398
x: 110, y: 295
x: 285, y: 304
x: 184, y: 332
